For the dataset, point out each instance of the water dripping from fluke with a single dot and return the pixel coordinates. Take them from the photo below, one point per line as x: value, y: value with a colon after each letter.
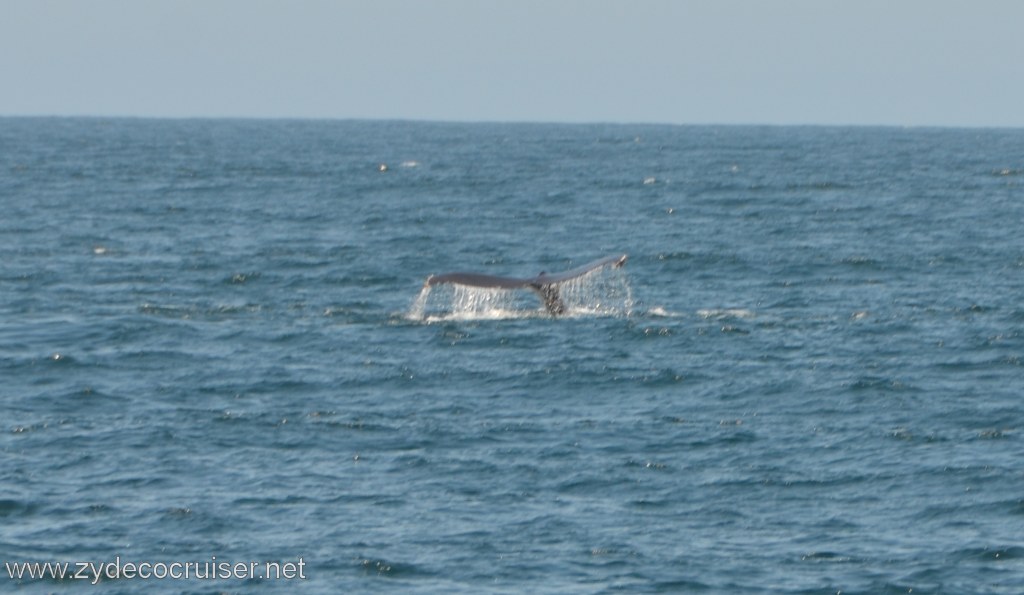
x: 599, y: 288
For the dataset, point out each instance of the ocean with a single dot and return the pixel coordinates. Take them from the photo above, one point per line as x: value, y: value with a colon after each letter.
x: 216, y: 349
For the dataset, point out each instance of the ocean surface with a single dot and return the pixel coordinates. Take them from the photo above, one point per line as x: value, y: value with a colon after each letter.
x: 214, y: 347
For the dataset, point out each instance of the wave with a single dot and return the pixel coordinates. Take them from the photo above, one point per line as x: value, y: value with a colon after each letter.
x: 722, y: 313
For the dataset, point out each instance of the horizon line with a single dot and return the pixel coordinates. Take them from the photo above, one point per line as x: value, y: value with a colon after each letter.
x: 514, y: 121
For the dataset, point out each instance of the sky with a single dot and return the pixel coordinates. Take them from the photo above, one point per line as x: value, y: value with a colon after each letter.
x: 781, y: 62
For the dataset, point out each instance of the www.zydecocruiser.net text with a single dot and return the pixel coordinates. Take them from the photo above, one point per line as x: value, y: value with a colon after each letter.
x: 212, y: 569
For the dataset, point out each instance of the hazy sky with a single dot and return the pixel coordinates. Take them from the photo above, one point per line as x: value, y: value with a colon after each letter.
x: 898, y: 62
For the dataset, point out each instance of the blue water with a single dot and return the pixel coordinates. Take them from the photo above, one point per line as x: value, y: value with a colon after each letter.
x: 206, y: 349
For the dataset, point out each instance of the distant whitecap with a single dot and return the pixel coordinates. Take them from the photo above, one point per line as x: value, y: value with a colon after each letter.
x: 719, y: 313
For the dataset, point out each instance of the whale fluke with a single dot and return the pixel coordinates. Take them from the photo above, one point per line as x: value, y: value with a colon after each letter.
x: 545, y: 284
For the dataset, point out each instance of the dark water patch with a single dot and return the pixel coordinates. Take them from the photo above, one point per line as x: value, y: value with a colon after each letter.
x: 275, y: 502
x: 360, y: 425
x: 989, y: 554
x: 881, y: 384
x: 583, y: 483
x: 727, y: 436
x: 670, y: 586
x: 17, y: 508
x: 861, y: 262
x: 131, y: 482
x: 386, y: 569
x: 908, y: 435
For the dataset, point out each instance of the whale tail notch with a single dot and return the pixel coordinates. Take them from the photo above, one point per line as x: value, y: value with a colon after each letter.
x: 545, y: 285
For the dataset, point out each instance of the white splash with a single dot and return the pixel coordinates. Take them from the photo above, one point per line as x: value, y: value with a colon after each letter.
x: 720, y: 313
x: 419, y: 306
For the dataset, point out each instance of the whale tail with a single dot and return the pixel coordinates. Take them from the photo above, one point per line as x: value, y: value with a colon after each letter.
x: 545, y: 285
